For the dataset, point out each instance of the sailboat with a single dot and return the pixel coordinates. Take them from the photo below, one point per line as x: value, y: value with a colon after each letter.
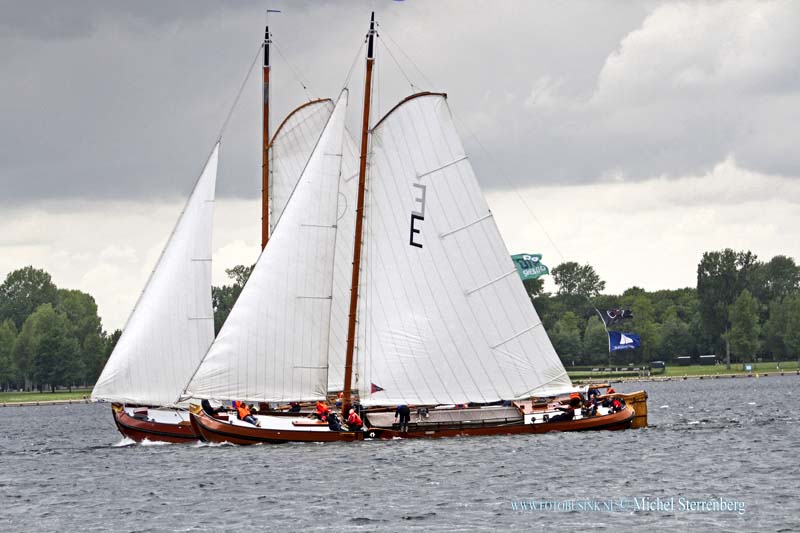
x: 172, y: 326
x: 438, y: 319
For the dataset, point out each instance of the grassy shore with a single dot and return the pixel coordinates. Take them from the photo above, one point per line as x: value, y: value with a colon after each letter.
x: 21, y: 397
x: 695, y: 370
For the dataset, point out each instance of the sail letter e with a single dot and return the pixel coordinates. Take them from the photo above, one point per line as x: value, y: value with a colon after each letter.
x: 417, y: 215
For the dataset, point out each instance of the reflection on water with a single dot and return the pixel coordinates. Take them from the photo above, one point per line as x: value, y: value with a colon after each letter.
x: 65, y: 468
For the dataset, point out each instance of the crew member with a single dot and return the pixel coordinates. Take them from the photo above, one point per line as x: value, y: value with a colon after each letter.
x: 322, y: 411
x: 354, y: 422
x: 243, y: 411
x: 404, y: 414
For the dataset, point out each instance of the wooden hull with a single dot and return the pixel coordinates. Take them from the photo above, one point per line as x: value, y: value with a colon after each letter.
x: 637, y: 400
x: 139, y: 430
x: 213, y: 430
x: 611, y: 422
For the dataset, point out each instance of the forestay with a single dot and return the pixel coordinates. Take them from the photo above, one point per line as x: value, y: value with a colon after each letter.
x: 443, y: 317
x: 290, y: 149
x: 274, y: 344
x: 172, y: 324
x: 343, y: 264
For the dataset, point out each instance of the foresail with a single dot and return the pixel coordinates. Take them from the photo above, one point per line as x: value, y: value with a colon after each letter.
x: 172, y: 325
x: 290, y: 149
x: 443, y: 316
x: 274, y: 344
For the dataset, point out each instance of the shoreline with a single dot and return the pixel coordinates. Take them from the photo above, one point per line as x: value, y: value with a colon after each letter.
x: 45, y: 402
x: 649, y: 379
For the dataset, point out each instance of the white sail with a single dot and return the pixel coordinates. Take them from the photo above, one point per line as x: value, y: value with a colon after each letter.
x: 290, y: 149
x: 274, y: 344
x: 172, y: 325
x: 343, y: 264
x: 443, y: 316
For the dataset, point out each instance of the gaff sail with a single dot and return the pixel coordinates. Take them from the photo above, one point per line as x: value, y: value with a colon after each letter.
x: 443, y: 317
x: 274, y: 344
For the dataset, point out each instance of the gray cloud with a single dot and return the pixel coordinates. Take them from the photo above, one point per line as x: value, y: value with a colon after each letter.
x: 110, y: 100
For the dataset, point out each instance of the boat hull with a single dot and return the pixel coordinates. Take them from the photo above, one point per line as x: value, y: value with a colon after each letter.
x: 139, y: 430
x: 611, y: 422
x: 637, y: 400
x: 213, y: 430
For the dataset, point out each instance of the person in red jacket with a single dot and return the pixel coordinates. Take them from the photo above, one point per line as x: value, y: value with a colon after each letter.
x: 354, y: 422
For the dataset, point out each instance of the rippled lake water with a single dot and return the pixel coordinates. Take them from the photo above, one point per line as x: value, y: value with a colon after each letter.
x: 65, y: 468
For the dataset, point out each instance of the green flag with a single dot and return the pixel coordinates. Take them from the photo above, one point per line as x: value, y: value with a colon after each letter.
x: 530, y: 266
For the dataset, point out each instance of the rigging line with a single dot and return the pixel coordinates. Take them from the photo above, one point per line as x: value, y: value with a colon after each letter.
x: 353, y: 64
x: 514, y: 188
x: 411, y: 61
x: 400, y: 68
x: 295, y: 72
x: 505, y: 175
x: 239, y: 94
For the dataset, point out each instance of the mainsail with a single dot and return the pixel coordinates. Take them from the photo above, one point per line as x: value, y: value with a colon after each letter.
x: 290, y: 149
x: 172, y: 325
x: 274, y: 344
x: 442, y: 317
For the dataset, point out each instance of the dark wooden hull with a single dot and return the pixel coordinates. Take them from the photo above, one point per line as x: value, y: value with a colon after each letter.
x: 611, y: 422
x: 140, y: 430
x: 213, y: 430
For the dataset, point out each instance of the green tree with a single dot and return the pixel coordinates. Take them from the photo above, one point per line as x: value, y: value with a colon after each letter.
x: 676, y: 339
x: 86, y: 327
x: 574, y: 279
x: 533, y: 287
x: 721, y: 276
x: 223, y: 298
x: 595, y: 341
x: 23, y: 291
x: 744, y: 330
x: 57, y: 361
x: 775, y: 280
x: 8, y: 335
x: 791, y: 336
x: 566, y: 338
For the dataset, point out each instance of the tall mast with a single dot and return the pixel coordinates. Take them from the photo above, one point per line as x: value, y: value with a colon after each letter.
x: 265, y: 147
x: 362, y: 176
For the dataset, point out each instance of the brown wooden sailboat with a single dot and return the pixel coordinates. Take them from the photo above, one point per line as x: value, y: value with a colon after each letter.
x: 171, y: 326
x: 438, y: 319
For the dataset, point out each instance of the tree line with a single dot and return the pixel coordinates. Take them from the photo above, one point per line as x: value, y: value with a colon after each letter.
x: 49, y: 337
x: 741, y: 309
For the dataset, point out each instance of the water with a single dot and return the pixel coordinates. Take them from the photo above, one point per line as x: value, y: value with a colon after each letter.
x: 65, y: 468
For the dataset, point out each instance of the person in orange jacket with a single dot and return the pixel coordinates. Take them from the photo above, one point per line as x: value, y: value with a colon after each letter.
x: 322, y: 411
x: 354, y: 422
x: 243, y: 411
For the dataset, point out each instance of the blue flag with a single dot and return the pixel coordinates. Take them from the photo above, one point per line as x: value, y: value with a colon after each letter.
x: 622, y: 341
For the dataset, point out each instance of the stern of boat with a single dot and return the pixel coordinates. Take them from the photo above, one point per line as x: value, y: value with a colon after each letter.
x: 637, y: 400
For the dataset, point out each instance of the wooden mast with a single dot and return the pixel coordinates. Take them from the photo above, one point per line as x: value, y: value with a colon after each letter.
x: 265, y: 146
x: 362, y: 176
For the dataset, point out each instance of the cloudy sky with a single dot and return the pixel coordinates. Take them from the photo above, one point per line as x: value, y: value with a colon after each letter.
x: 635, y: 134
